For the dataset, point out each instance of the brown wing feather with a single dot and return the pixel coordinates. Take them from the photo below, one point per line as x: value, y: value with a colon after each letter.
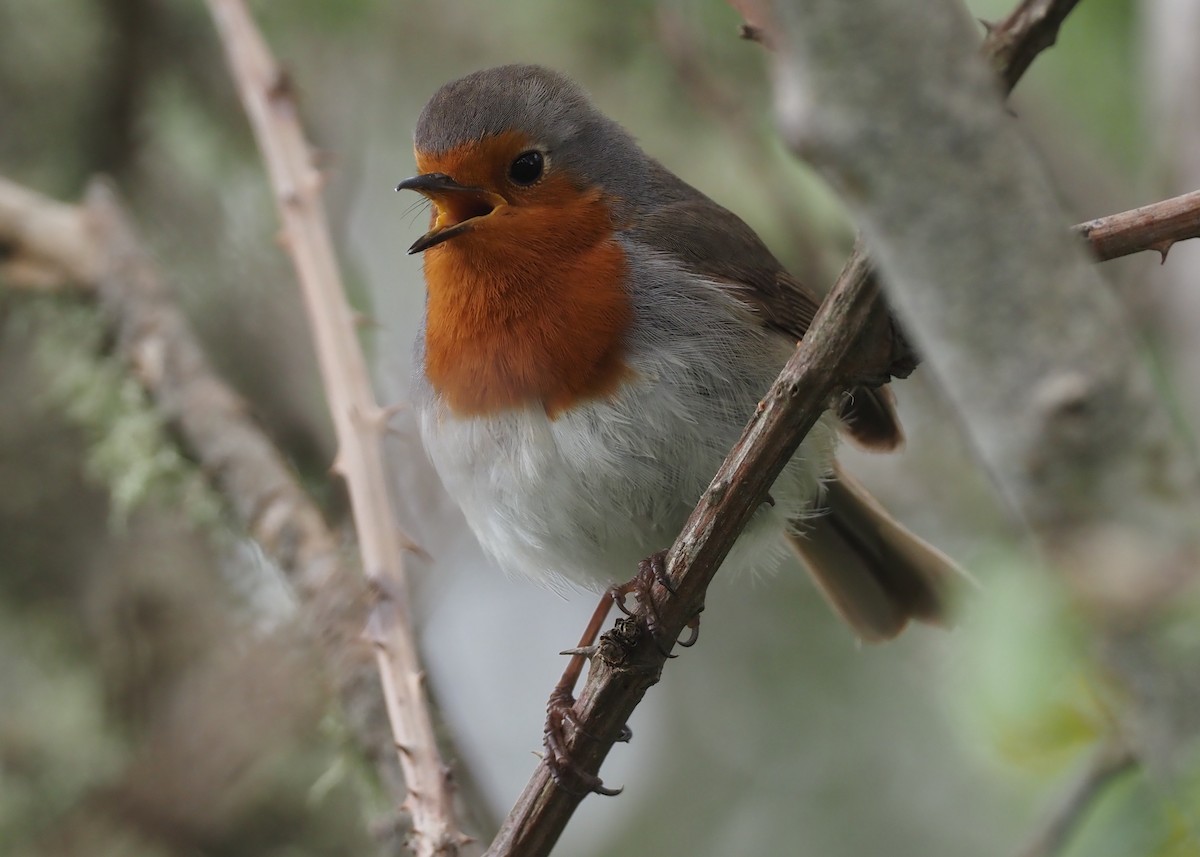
x: 717, y: 244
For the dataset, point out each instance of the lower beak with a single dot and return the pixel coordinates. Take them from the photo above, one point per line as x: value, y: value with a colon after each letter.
x: 458, y: 206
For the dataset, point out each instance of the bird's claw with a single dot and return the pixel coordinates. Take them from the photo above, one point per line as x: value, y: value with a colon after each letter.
x: 566, y: 773
x: 651, y: 570
x: 693, y: 625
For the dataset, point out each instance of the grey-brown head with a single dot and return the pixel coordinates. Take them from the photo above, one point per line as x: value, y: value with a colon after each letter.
x: 516, y: 138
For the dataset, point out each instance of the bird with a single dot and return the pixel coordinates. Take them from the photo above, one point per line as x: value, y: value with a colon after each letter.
x: 596, y: 334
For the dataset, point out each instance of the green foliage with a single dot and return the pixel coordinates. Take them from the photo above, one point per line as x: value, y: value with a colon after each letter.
x: 54, y: 743
x: 1034, y: 696
x: 130, y: 452
x: 1135, y: 816
x: 1030, y: 691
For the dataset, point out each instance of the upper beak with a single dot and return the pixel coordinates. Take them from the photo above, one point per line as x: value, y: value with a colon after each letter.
x: 457, y: 205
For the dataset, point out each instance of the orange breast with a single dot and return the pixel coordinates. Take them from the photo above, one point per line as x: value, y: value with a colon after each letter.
x: 530, y: 307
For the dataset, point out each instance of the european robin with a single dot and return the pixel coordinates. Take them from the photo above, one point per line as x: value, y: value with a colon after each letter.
x: 597, y: 333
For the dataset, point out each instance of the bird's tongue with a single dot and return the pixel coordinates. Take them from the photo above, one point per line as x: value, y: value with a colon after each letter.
x: 456, y: 208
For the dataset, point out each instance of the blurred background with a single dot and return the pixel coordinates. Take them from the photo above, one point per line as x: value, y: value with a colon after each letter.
x: 151, y: 702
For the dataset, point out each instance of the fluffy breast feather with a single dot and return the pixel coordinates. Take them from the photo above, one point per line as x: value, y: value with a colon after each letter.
x: 583, y: 496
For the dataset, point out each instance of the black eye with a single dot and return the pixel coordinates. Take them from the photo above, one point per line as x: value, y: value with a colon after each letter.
x: 527, y: 168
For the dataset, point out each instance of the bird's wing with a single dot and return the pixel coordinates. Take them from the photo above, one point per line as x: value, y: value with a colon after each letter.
x: 717, y: 244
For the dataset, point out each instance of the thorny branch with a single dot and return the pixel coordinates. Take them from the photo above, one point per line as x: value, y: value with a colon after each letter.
x: 358, y: 421
x: 1157, y: 226
x: 851, y: 341
x: 1014, y: 43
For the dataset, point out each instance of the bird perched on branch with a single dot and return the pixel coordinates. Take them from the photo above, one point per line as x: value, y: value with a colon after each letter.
x: 597, y: 333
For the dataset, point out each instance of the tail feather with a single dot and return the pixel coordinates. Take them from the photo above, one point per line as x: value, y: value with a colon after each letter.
x: 876, y: 574
x: 869, y: 419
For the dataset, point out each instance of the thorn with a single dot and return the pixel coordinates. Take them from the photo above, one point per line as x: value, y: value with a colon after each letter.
x: 280, y: 85
x: 317, y: 177
x: 404, y: 750
x: 389, y: 411
x: 372, y: 636
x: 322, y: 160
x: 1163, y: 248
x: 989, y: 27
x: 415, y: 549
x: 338, y: 467
x: 375, y: 418
x: 752, y: 33
x: 587, y: 651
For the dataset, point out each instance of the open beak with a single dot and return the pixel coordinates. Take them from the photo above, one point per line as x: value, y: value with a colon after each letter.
x: 458, y: 206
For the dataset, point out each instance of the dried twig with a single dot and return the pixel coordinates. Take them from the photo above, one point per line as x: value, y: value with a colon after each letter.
x: 847, y: 343
x: 43, y: 243
x: 358, y: 420
x: 1109, y: 761
x: 1157, y: 226
x: 1029, y: 29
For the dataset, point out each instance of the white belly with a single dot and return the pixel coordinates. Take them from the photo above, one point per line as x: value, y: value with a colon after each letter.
x: 585, y: 496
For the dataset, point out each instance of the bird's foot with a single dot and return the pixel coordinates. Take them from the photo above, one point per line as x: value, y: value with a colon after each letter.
x: 565, y: 771
x: 651, y: 570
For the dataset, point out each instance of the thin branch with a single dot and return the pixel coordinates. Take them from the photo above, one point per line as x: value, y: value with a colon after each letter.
x: 848, y: 342
x: 1152, y: 227
x: 1109, y: 761
x: 1014, y: 43
x: 43, y: 242
x: 358, y: 421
